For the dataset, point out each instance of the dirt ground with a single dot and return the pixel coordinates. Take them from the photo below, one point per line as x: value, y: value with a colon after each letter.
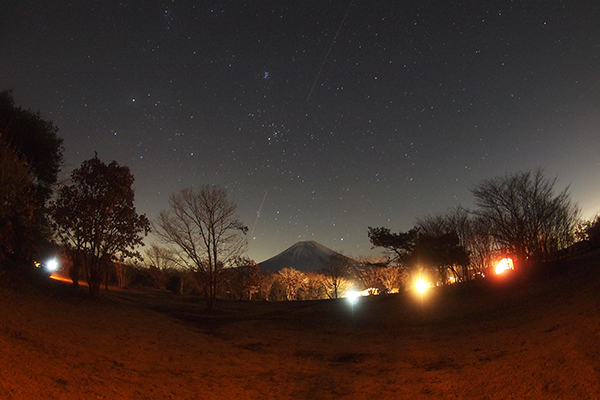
x: 535, y: 338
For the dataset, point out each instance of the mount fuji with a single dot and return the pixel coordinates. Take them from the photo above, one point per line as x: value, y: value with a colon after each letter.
x: 304, y: 256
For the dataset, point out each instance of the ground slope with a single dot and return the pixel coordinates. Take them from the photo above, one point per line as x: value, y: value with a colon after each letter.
x: 537, y: 339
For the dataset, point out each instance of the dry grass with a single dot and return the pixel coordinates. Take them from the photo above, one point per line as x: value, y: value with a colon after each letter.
x: 537, y: 339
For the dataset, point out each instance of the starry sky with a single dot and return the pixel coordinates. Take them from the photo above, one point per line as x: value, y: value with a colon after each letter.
x: 320, y: 117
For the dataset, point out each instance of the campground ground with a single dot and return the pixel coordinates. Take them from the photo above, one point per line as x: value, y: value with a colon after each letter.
x: 529, y: 338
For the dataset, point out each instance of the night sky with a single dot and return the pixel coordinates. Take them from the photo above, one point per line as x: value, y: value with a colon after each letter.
x: 338, y: 114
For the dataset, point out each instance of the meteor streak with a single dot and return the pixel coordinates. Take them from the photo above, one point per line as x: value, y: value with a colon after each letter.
x: 329, y: 51
x: 258, y: 213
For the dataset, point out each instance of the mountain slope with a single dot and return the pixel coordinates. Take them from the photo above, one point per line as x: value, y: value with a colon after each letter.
x: 304, y: 256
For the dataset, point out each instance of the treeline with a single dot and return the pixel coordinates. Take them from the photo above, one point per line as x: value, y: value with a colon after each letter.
x: 202, y: 241
x: 31, y: 155
x: 244, y: 280
x: 517, y: 216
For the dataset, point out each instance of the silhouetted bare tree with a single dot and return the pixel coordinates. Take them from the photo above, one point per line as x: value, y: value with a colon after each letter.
x: 482, y: 246
x: 315, y: 288
x: 524, y: 214
x: 161, y: 262
x: 336, y: 269
x: 368, y: 271
x: 266, y: 284
x: 122, y: 273
x: 293, y: 280
x: 391, y: 276
x: 206, y: 231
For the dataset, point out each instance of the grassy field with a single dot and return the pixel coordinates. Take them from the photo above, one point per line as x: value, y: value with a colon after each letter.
x: 525, y: 338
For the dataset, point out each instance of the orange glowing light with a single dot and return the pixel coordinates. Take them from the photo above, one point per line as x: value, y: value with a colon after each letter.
x: 60, y: 278
x: 421, y: 285
x: 503, y: 265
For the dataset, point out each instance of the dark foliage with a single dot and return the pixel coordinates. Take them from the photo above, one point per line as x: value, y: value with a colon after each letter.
x: 398, y: 245
x: 31, y: 154
x: 242, y: 281
x: 592, y: 232
x: 442, y: 252
x: 96, y: 220
x: 34, y: 139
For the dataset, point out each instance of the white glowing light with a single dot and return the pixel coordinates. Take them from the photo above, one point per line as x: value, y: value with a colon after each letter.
x: 353, y: 296
x: 52, y: 265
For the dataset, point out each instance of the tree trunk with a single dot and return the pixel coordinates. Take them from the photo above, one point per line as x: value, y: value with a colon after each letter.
x: 74, y: 273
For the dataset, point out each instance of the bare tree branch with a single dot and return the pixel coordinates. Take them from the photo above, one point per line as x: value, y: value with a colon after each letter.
x: 206, y: 231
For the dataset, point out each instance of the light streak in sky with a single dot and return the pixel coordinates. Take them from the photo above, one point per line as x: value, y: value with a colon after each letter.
x: 258, y: 213
x: 329, y: 51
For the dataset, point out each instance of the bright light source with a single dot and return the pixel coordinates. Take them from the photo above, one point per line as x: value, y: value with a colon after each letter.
x: 369, y: 292
x: 52, y: 265
x: 503, y: 265
x: 421, y: 285
x: 353, y: 296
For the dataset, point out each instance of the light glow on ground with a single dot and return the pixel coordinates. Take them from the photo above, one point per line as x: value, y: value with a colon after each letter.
x: 60, y: 278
